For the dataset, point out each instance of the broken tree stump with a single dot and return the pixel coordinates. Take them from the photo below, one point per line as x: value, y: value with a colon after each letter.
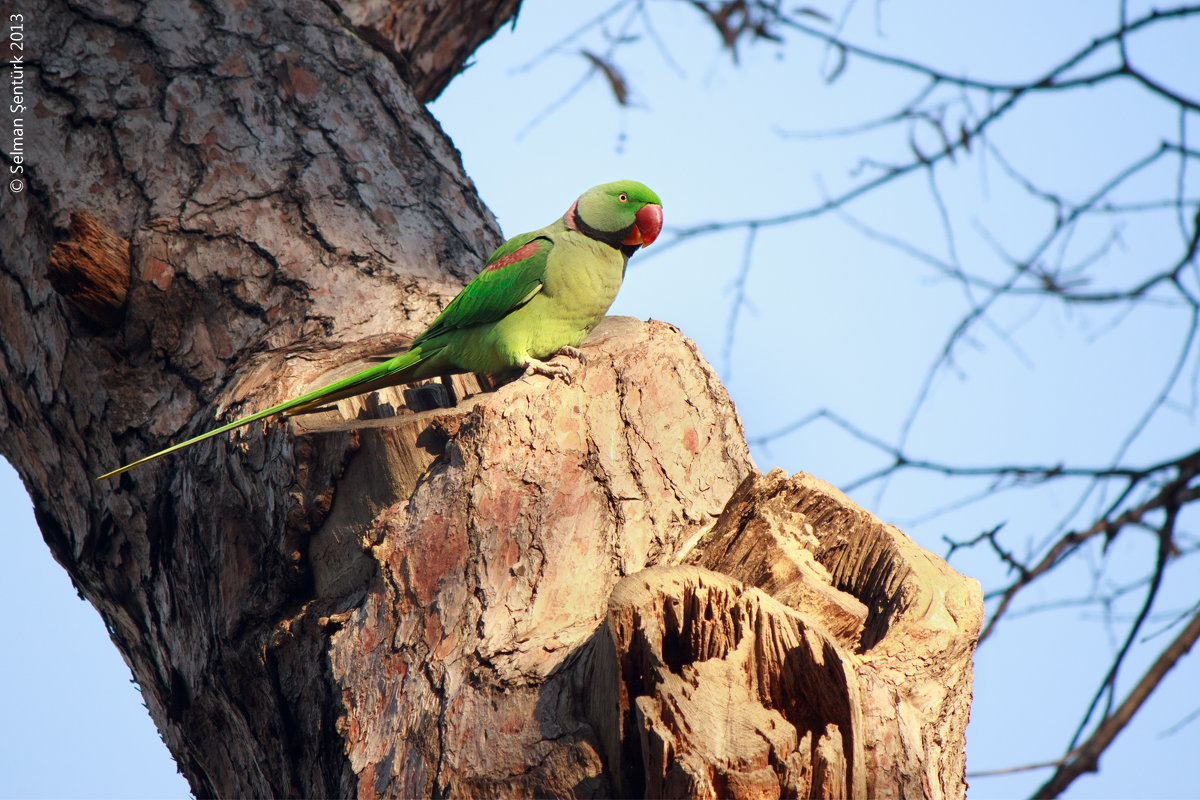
x: 567, y: 609
x: 852, y: 680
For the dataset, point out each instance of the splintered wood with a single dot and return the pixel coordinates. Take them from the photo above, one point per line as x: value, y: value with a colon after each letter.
x: 729, y: 693
x: 854, y: 680
x: 90, y: 268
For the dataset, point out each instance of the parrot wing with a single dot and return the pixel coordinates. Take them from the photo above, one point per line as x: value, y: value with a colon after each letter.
x: 512, y: 275
x: 510, y: 278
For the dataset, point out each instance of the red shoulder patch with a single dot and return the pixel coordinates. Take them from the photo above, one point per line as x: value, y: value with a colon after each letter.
x: 569, y: 217
x: 520, y: 254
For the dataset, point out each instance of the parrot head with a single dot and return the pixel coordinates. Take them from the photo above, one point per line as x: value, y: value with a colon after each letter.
x: 624, y: 214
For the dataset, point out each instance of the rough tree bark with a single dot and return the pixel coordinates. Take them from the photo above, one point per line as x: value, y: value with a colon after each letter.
x: 542, y: 588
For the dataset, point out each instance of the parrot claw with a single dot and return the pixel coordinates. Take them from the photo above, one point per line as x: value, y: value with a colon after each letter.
x: 574, y: 353
x: 551, y: 371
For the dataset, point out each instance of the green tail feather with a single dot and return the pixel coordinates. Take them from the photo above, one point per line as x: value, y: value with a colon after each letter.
x: 393, y: 371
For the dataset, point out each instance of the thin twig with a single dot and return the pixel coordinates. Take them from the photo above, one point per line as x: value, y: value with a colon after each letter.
x: 1085, y: 758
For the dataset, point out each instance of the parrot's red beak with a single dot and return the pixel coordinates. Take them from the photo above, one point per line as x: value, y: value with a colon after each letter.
x: 647, y: 224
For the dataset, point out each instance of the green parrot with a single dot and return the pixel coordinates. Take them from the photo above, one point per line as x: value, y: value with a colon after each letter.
x: 538, y: 295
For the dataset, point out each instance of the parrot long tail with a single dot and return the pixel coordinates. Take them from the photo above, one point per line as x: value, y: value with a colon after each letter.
x: 388, y: 373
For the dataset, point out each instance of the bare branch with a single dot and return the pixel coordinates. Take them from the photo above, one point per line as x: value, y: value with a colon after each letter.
x: 1086, y: 757
x: 740, y: 300
x: 1108, y: 686
x: 1171, y: 494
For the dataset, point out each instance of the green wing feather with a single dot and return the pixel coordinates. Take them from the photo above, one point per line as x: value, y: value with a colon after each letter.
x: 512, y: 275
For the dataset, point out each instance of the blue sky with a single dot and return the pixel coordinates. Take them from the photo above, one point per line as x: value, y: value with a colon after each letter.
x: 831, y: 319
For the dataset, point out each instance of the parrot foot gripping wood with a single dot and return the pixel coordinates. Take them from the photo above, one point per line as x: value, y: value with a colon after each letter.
x: 551, y: 370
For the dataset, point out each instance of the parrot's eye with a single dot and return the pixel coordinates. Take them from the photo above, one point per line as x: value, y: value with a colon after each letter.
x: 624, y: 198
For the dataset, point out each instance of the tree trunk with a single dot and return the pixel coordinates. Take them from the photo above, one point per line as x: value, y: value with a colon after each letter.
x: 433, y: 590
